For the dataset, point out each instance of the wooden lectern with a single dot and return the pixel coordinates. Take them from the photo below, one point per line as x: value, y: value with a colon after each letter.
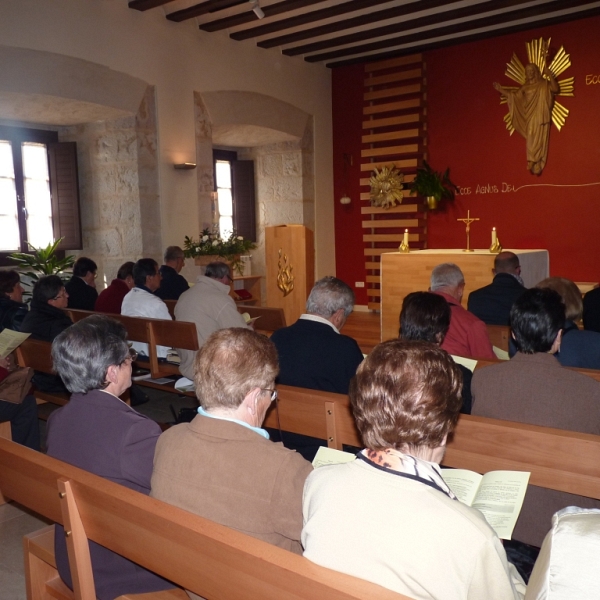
x: 290, y: 259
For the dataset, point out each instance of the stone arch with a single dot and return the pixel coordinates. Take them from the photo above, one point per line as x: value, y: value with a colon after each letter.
x: 94, y: 89
x: 112, y: 118
x: 278, y: 137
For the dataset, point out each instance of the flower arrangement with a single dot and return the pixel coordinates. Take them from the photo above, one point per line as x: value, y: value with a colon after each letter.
x: 211, y: 244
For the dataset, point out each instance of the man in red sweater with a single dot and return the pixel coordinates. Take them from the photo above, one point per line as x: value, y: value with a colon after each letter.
x: 110, y: 299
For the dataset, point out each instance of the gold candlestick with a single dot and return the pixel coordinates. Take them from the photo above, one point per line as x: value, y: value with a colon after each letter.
x: 404, y: 247
x: 468, y: 222
x: 496, y: 247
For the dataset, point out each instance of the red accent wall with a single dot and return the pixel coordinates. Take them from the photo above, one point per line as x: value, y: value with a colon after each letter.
x: 347, y: 102
x: 468, y: 134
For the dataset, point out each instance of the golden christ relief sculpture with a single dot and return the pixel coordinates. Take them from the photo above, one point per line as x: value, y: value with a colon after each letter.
x: 532, y: 106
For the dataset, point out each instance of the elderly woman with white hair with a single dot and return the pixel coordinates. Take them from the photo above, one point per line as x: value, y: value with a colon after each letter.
x: 100, y: 433
x: 388, y: 516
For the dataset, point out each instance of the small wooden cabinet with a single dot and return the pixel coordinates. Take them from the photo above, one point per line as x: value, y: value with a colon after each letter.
x: 251, y: 285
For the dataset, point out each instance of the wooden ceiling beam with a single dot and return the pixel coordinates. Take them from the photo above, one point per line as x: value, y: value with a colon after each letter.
x: 437, y: 44
x: 202, y: 9
x: 248, y: 17
x: 381, y: 15
x: 147, y: 4
x: 404, y: 26
x: 310, y: 17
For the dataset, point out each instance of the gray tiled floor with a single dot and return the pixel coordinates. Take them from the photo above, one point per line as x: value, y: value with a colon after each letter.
x: 16, y: 521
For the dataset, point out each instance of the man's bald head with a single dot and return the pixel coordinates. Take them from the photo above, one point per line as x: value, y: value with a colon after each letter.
x: 507, y: 262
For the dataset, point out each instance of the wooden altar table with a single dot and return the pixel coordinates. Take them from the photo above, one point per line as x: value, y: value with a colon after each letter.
x: 404, y: 273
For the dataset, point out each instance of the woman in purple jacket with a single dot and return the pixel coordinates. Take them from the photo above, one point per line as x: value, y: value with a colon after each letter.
x: 98, y: 432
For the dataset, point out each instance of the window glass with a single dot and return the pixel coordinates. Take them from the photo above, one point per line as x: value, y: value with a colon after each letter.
x: 226, y: 226
x: 225, y: 198
x: 37, y: 194
x: 223, y: 171
x: 225, y: 202
x: 9, y: 226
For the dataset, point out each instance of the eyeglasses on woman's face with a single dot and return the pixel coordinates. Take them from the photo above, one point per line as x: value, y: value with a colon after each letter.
x: 273, y: 393
x: 132, y: 357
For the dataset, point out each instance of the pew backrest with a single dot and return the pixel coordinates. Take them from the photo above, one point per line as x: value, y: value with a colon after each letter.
x: 154, y: 332
x: 560, y: 460
x: 205, y: 557
x: 482, y: 363
x: 36, y: 354
x: 499, y: 336
x: 271, y: 319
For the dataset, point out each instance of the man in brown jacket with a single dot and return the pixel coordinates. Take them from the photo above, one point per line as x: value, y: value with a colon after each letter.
x: 222, y: 465
x: 533, y: 388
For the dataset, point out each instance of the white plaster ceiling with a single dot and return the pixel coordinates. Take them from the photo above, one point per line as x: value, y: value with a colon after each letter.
x: 52, y: 110
x: 246, y: 136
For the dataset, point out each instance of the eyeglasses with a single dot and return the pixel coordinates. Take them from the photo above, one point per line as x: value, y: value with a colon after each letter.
x: 273, y: 393
x: 63, y: 295
x: 132, y: 356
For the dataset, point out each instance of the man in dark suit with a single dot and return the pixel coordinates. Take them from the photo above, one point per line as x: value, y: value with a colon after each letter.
x: 172, y: 284
x: 82, y: 286
x: 591, y: 310
x: 533, y: 388
x: 312, y: 352
x: 492, y: 303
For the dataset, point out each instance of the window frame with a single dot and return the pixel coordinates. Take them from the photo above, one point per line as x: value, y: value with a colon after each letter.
x: 243, y: 192
x: 16, y: 136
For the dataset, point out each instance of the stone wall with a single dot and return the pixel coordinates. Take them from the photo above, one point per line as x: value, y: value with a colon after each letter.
x: 284, y: 188
x: 118, y: 186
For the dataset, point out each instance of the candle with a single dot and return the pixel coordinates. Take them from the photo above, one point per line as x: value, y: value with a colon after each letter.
x: 494, y: 236
x: 405, y: 241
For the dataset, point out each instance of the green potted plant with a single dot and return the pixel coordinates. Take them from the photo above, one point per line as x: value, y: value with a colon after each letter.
x: 42, y: 261
x: 433, y: 185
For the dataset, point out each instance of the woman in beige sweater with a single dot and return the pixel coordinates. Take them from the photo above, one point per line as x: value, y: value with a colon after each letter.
x: 388, y: 516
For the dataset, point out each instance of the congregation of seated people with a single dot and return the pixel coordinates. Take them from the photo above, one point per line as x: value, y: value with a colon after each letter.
x: 406, y: 397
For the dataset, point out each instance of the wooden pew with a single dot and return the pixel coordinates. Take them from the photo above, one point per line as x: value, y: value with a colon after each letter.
x: 499, y: 336
x: 171, y: 307
x: 37, y: 355
x: 323, y: 415
x: 205, y: 557
x: 560, y: 460
x: 154, y: 332
x: 486, y: 362
x: 271, y: 319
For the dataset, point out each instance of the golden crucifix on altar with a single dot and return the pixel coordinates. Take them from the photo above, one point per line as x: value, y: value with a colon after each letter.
x: 469, y: 219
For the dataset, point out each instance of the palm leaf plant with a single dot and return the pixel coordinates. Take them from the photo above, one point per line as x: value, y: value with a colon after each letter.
x: 433, y: 185
x: 42, y: 262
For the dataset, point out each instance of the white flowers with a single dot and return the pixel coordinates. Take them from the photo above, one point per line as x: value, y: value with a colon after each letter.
x: 215, y: 242
x: 205, y: 238
x: 240, y: 238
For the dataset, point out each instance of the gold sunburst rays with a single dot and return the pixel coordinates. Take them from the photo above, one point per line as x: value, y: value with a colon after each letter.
x: 386, y: 187
x: 537, y: 53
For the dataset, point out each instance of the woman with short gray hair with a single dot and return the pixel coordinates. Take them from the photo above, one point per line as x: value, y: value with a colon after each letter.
x: 100, y: 433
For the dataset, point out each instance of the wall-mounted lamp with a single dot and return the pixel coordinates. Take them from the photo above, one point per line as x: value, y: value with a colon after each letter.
x: 345, y: 199
x: 258, y: 11
x: 185, y: 166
